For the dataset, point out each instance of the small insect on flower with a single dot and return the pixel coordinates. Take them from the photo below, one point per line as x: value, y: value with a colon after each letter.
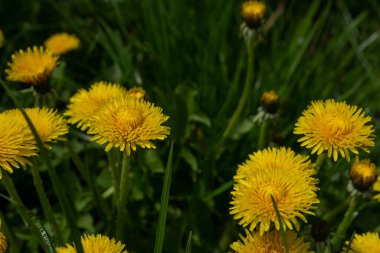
x: 95, y: 244
x: 277, y: 173
x: 61, y: 43
x: 365, y: 243
x: 334, y: 127
x: 271, y: 242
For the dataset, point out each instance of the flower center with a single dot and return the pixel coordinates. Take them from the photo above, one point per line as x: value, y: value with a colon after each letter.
x: 131, y: 119
x: 337, y: 125
x: 271, y: 190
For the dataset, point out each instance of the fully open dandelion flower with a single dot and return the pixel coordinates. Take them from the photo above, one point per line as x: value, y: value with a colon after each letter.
x: 84, y: 104
x: 126, y: 122
x: 279, y: 173
x: 366, y: 243
x: 50, y: 126
x: 95, y: 244
x: 61, y: 43
x: 334, y: 127
x: 33, y: 66
x: 363, y: 174
x: 16, y: 143
x: 270, y: 242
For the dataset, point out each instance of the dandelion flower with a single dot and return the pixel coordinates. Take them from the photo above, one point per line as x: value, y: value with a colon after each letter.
x: 270, y: 242
x: 61, y: 43
x: 366, y: 243
x: 95, y: 244
x: 279, y: 173
x: 84, y: 104
x: 33, y: 66
x: 376, y: 188
x: 16, y: 143
x: 136, y: 92
x: 126, y: 122
x: 253, y: 13
x: 50, y: 126
x: 3, y: 243
x: 363, y: 174
x: 334, y: 127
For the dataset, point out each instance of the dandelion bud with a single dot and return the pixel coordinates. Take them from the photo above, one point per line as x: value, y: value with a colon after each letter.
x: 3, y: 243
x: 363, y: 174
x: 253, y: 13
x: 269, y: 101
x: 136, y: 92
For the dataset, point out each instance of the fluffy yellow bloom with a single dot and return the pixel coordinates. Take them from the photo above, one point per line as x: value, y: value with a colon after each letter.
x: 334, y: 127
x: 279, y: 173
x: 3, y: 243
x: 61, y: 43
x: 270, y: 242
x: 16, y: 143
x: 363, y: 174
x: 366, y: 243
x: 253, y: 13
x: 84, y: 104
x: 95, y: 244
x: 136, y: 92
x: 376, y: 188
x: 33, y: 66
x: 50, y: 126
x: 126, y: 122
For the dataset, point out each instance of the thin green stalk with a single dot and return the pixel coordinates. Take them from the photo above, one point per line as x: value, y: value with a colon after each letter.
x: 58, y: 188
x: 320, y: 160
x: 346, y: 222
x: 123, y: 196
x: 30, y: 222
x: 46, y: 207
x: 188, y: 244
x: 283, y: 234
x: 115, y: 176
x: 160, y: 231
x: 262, y: 135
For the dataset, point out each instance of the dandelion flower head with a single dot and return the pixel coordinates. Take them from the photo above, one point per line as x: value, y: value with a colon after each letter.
x: 126, y: 122
x: 334, y: 127
x: 279, y: 173
x: 61, y: 43
x: 95, y: 244
x: 85, y: 103
x: 270, y: 242
x: 365, y: 243
x: 253, y: 13
x: 33, y: 66
x: 16, y: 143
x: 136, y: 92
x: 363, y: 174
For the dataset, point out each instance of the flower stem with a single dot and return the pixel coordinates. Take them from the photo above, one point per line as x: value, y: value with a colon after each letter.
x: 262, y: 135
x: 123, y: 194
x: 320, y: 160
x: 46, y: 207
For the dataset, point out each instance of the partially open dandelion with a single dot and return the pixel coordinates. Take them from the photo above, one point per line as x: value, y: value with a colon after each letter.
x: 16, y: 143
x: 365, y: 243
x: 50, y: 126
x: 136, y: 92
x: 127, y: 122
x: 334, y: 127
x: 270, y: 102
x: 95, y: 244
x: 363, y: 174
x: 270, y: 242
x: 85, y: 103
x: 61, y: 43
x: 253, y: 13
x: 33, y: 66
x: 279, y: 173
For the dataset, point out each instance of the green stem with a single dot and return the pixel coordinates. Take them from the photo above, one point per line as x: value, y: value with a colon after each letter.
x: 115, y: 176
x: 262, y: 135
x: 283, y: 233
x: 346, y: 222
x: 46, y: 207
x: 320, y: 160
x: 123, y: 194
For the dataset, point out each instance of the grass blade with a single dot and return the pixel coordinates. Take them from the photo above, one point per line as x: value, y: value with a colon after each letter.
x: 281, y: 225
x: 188, y: 244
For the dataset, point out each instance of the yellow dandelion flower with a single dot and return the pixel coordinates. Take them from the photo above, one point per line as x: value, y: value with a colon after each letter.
x: 3, y: 243
x: 270, y: 242
x: 376, y: 188
x: 84, y: 104
x: 61, y: 43
x: 136, y: 92
x: 95, y: 244
x: 253, y: 13
x: 126, y: 122
x: 279, y: 173
x: 16, y: 143
x: 33, y: 66
x: 366, y: 243
x: 269, y: 100
x: 334, y: 127
x: 50, y: 126
x: 363, y: 174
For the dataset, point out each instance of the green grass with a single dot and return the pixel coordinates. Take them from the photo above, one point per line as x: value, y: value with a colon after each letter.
x: 190, y: 59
